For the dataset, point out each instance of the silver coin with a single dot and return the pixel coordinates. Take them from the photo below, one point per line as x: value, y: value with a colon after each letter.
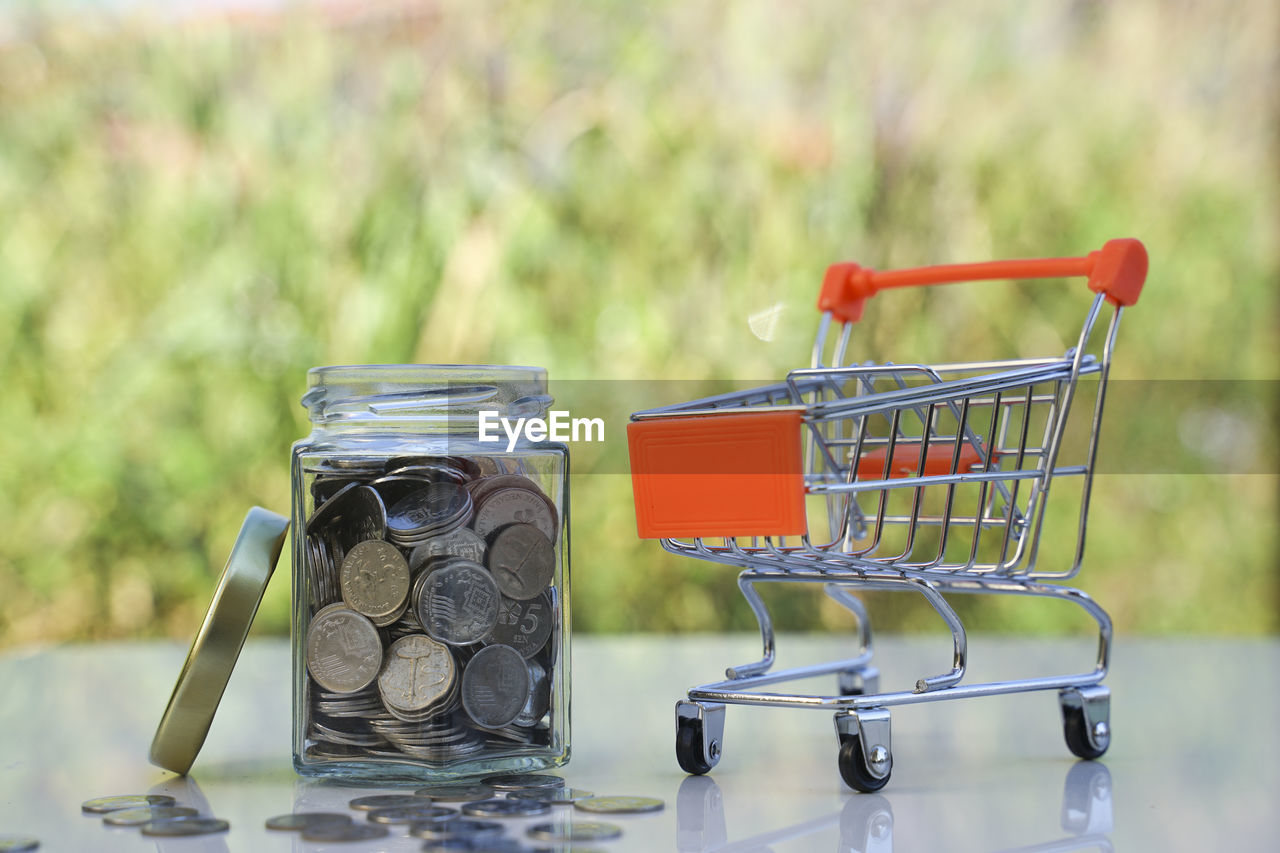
x: 137, y: 817
x: 456, y: 827
x: 417, y: 674
x: 462, y: 542
x: 483, y: 844
x: 522, y: 560
x: 524, y: 625
x: 344, y: 651
x: 495, y: 687
x: 512, y: 807
x: 558, y: 796
x: 18, y: 843
x: 183, y: 826
x: 354, y: 514
x: 619, y: 805
x: 516, y: 506
x: 387, y: 801
x: 455, y: 793
x: 438, y: 505
x: 514, y: 782
x: 412, y: 814
x: 458, y: 604
x: 574, y: 831
x: 375, y: 579
x: 539, y: 701
x: 344, y: 832
x: 305, y: 820
x: 102, y: 805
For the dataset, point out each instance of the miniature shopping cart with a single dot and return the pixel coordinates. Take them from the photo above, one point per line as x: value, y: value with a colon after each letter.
x: 857, y: 477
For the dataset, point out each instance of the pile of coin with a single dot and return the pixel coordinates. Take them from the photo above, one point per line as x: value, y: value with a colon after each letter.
x: 156, y: 815
x: 433, y: 609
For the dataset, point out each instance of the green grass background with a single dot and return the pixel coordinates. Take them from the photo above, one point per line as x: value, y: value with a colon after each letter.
x: 193, y: 211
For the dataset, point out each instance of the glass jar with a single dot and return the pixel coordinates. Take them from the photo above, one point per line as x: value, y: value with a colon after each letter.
x: 430, y: 576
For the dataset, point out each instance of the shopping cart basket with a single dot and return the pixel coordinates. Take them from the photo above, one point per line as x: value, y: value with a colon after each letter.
x: 932, y: 478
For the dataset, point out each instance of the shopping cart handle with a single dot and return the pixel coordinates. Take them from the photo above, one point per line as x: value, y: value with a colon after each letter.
x: 1118, y: 270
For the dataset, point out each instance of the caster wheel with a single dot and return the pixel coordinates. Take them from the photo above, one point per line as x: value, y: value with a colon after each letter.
x: 1075, y: 728
x: 854, y: 769
x: 690, y: 750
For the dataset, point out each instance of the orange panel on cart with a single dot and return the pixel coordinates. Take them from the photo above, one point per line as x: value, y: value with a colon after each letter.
x: 731, y: 474
x: 906, y: 461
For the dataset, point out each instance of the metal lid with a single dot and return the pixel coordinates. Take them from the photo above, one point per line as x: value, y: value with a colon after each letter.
x: 213, y: 654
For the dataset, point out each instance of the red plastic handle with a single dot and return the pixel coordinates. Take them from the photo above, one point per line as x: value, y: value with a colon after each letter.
x: 1118, y: 269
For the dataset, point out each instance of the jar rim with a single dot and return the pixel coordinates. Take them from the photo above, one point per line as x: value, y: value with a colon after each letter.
x: 497, y: 372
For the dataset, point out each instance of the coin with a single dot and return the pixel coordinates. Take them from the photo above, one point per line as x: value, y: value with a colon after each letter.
x: 455, y: 793
x: 181, y: 826
x: 458, y: 603
x: 463, y: 542
x: 344, y: 651
x: 516, y: 506
x: 557, y: 796
x: 412, y: 814
x: 483, y: 844
x: 417, y: 673
x: 574, y: 831
x: 539, y: 700
x: 495, y: 687
x: 375, y: 579
x: 387, y: 801
x: 456, y: 827
x: 305, y: 820
x: 438, y: 507
x: 137, y: 817
x: 523, y: 781
x: 344, y: 832
x: 524, y: 625
x: 18, y: 843
x: 102, y: 805
x: 619, y: 805
x: 512, y: 807
x: 522, y: 560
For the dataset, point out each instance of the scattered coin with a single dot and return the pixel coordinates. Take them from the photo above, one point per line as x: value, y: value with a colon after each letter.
x: 344, y: 832
x: 387, y: 801
x: 619, y: 805
x: 558, y: 796
x: 137, y: 817
x: 456, y: 827
x: 102, y: 805
x: 412, y: 814
x: 574, y: 831
x: 299, y: 821
x: 182, y: 826
x: 523, y: 781
x: 475, y: 845
x: 344, y: 651
x: 18, y: 843
x: 513, y: 807
x: 456, y: 793
x: 522, y: 560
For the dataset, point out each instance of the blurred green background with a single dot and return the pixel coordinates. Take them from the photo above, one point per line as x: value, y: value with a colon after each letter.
x: 196, y: 207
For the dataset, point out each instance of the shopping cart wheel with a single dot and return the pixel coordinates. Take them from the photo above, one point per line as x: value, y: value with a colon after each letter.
x: 866, y: 756
x: 1086, y: 719
x: 699, y: 736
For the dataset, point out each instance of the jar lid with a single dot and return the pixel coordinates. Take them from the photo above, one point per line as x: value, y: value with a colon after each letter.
x: 213, y: 654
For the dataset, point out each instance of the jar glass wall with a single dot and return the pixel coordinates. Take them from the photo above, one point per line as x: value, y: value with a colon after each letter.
x: 430, y: 579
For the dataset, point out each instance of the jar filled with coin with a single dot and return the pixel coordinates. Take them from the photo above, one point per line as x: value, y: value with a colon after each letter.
x: 430, y: 577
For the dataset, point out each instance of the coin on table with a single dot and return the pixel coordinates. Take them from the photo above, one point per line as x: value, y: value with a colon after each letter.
x: 455, y: 793
x: 375, y: 579
x: 387, y: 801
x: 513, y: 782
x: 299, y: 821
x: 570, y: 830
x: 619, y: 805
x: 344, y: 832
x: 18, y: 843
x: 499, y: 508
x: 102, y: 805
x: 456, y: 827
x: 512, y: 807
x: 412, y: 814
x: 463, y: 542
x: 524, y: 625
x: 522, y: 560
x: 184, y: 826
x: 495, y: 687
x: 137, y: 817
x: 417, y: 674
x: 557, y: 796
x: 458, y: 603
x: 484, y: 844
x: 344, y: 649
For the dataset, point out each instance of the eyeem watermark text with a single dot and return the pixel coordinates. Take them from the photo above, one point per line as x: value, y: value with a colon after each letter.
x: 558, y: 427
